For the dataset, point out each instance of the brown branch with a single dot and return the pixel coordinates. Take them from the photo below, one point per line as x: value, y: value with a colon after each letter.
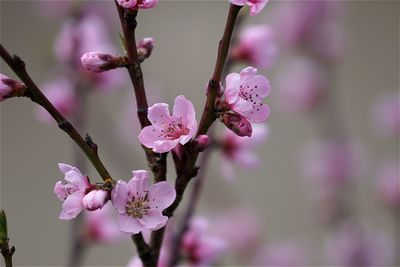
x: 145, y: 252
x: 7, y: 253
x: 34, y: 93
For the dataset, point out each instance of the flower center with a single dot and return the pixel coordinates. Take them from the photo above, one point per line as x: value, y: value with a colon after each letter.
x: 174, y: 130
x: 137, y: 207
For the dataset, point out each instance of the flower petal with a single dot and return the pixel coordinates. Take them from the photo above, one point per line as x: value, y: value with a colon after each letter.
x: 72, y: 206
x: 232, y: 87
x: 149, y: 135
x: 159, y: 115
x: 129, y: 224
x: 161, y: 195
x: 163, y: 146
x: 119, y: 196
x: 184, y: 109
x: 247, y: 73
x: 153, y: 219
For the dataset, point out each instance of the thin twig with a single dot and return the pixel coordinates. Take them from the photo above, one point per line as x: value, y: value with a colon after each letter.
x: 145, y: 252
x: 34, y: 93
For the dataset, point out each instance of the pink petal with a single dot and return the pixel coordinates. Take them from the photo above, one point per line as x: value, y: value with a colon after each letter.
x: 238, y: 2
x: 261, y: 113
x: 260, y: 85
x: 163, y: 146
x: 153, y: 219
x: 243, y: 107
x: 149, y: 135
x: 257, y: 7
x: 232, y: 87
x: 161, y: 195
x: 60, y: 191
x: 64, y: 168
x: 77, y: 179
x: 129, y: 224
x: 119, y: 196
x: 72, y: 206
x: 184, y: 109
x: 159, y: 115
x: 247, y: 73
x: 139, y: 184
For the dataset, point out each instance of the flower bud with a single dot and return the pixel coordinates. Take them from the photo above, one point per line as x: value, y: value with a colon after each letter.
x: 10, y: 87
x: 3, y: 228
x: 201, y: 143
x: 238, y: 124
x: 136, y: 4
x: 145, y: 47
x: 99, y: 62
x: 95, y: 199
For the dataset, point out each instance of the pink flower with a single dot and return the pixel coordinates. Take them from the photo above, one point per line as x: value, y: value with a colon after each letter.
x: 256, y: 46
x: 202, y: 249
x: 135, y: 4
x: 352, y: 245
x: 255, y: 5
x: 99, y: 62
x: 201, y: 143
x: 101, y: 226
x: 245, y: 92
x: 167, y: 131
x: 238, y: 150
x: 61, y: 94
x: 301, y: 86
x: 9, y: 87
x: 139, y: 205
x: 386, y: 114
x: 95, y: 199
x: 389, y: 184
x: 286, y: 253
x: 71, y: 192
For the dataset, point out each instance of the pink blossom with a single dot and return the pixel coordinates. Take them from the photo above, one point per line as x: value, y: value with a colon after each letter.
x: 101, y: 226
x: 301, y: 86
x: 256, y: 46
x: 61, y: 94
x: 99, y: 62
x: 352, y: 245
x: 255, y: 5
x: 245, y: 92
x: 389, y: 184
x: 71, y: 192
x: 238, y: 150
x: 135, y: 4
x: 241, y: 241
x: 139, y: 205
x: 167, y: 131
x: 9, y: 87
x: 95, y: 199
x: 286, y: 253
x: 202, y: 142
x: 201, y: 248
x: 386, y: 114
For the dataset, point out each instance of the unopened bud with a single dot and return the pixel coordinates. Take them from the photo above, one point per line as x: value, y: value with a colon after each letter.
x: 10, y: 87
x: 238, y: 124
x: 201, y: 143
x: 99, y: 62
x: 95, y: 199
x: 145, y: 47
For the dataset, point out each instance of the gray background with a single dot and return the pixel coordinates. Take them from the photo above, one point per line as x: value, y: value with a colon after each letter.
x: 186, y: 34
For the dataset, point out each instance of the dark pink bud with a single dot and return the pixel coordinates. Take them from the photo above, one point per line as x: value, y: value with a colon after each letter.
x: 99, y: 62
x: 201, y: 143
x: 10, y: 87
x: 238, y: 124
x: 95, y: 199
x: 145, y: 47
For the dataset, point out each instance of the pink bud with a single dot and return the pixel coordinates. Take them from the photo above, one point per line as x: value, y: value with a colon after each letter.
x: 99, y: 62
x: 95, y: 199
x: 201, y: 143
x: 238, y: 124
x: 10, y: 87
x: 135, y: 4
x: 145, y: 47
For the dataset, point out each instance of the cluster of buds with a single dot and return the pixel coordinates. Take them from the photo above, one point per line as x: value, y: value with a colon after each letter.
x: 10, y: 88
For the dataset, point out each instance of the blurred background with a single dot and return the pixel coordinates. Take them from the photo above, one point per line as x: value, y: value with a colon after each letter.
x: 325, y: 191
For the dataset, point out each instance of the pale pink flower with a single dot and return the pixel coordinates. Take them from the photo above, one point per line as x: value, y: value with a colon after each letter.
x: 9, y: 87
x: 255, y: 5
x: 389, y: 183
x: 301, y: 85
x: 241, y: 228
x: 167, y: 131
x: 352, y: 245
x: 201, y: 248
x: 71, y: 192
x: 386, y: 114
x: 139, y: 205
x: 95, y: 199
x: 61, y: 94
x: 135, y: 4
x: 237, y: 150
x: 286, y: 253
x: 245, y: 92
x: 256, y: 46
x: 101, y: 226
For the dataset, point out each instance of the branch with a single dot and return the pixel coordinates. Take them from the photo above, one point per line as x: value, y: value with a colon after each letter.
x: 144, y: 251
x: 34, y: 93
